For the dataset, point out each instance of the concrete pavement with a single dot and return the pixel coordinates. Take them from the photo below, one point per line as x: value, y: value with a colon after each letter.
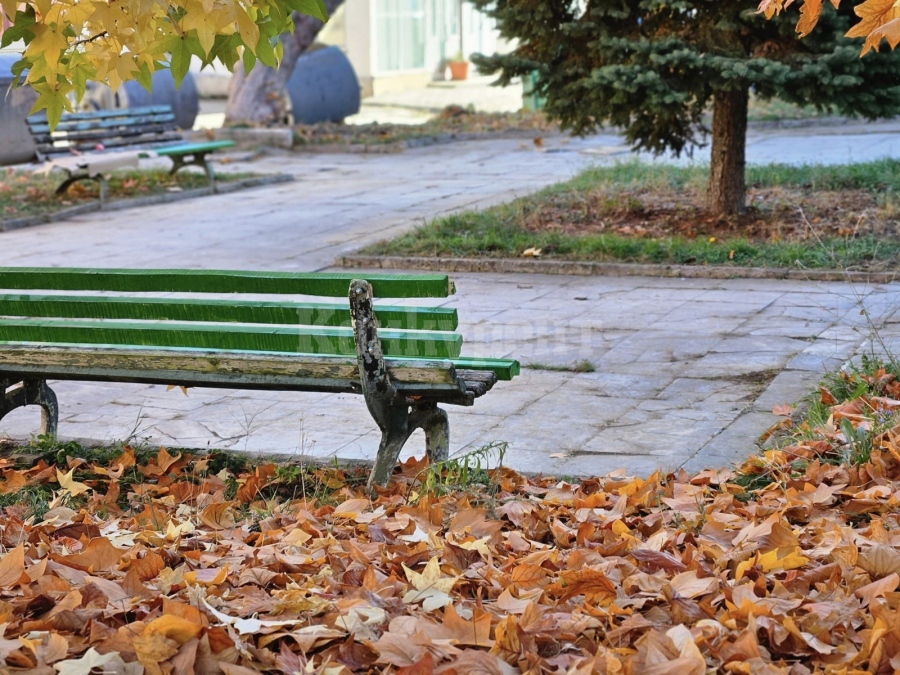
x: 686, y: 370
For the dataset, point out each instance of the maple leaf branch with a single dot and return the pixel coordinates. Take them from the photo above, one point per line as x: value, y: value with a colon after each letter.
x: 85, y: 41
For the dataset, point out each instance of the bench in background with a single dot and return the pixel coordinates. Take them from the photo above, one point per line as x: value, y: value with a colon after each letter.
x: 144, y: 132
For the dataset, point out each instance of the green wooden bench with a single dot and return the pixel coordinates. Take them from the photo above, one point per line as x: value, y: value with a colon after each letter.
x: 149, y: 130
x: 103, y: 325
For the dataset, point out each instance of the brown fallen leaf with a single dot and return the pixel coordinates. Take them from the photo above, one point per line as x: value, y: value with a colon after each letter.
x: 154, y: 649
x: 218, y: 516
x: 98, y: 556
x: 592, y: 583
x: 12, y: 567
x: 880, y: 561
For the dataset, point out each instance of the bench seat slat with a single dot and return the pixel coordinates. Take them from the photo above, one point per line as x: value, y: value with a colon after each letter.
x: 300, y: 339
x: 184, y: 148
x: 223, y: 311
x: 504, y: 369
x: 231, y: 369
x: 148, y: 143
x: 14, y: 354
x: 331, y: 284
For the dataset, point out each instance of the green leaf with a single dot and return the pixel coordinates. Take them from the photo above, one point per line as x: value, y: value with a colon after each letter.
x: 18, y: 71
x: 249, y: 60
x: 21, y: 28
x: 179, y: 58
x: 81, y: 74
x: 265, y: 53
x: 144, y: 77
x: 53, y: 99
x: 279, y: 51
x: 314, y: 8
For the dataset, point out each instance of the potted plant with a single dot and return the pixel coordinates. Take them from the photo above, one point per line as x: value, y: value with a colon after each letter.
x: 459, y: 67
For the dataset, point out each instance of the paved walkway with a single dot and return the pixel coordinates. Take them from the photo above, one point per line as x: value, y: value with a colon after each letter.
x: 686, y: 370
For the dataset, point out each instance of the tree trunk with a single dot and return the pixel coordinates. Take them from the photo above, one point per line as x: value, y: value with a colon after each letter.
x: 726, y: 193
x: 258, y: 98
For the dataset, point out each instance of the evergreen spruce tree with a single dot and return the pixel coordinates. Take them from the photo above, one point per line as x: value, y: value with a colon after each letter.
x: 655, y: 67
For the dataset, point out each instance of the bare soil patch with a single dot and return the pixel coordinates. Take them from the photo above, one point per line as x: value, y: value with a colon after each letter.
x: 773, y: 214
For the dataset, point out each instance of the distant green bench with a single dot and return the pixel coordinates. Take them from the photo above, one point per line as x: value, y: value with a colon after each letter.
x: 404, y: 361
x: 147, y: 131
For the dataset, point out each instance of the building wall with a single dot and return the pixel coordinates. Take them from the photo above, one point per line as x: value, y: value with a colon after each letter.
x: 403, y: 44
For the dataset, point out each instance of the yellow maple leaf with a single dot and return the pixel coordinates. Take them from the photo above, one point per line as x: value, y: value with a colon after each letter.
x: 248, y: 29
x: 68, y: 483
x: 479, y: 545
x: 784, y: 559
x: 431, y: 588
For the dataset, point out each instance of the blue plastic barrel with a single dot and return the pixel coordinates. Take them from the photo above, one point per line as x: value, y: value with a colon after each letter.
x: 185, y: 100
x: 324, y: 87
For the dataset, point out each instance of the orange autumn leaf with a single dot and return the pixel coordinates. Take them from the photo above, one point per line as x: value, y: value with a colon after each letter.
x: 592, y: 583
x: 174, y: 627
x: 12, y: 566
x: 212, y: 576
x: 873, y: 14
x: 148, y: 566
x: 878, y: 589
x: 218, y: 516
x: 476, y: 632
x: 249, y: 490
x: 528, y: 575
x: 810, y: 11
x: 98, y: 556
x: 424, y: 666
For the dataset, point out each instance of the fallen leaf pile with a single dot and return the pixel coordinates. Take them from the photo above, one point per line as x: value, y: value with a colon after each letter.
x: 453, y: 121
x: 171, y: 565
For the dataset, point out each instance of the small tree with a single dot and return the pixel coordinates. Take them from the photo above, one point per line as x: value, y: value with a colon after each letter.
x: 257, y: 96
x: 655, y: 67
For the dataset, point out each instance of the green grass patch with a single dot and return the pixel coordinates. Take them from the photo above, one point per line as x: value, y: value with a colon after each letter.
x: 799, y: 216
x: 849, y: 421
x: 24, y: 194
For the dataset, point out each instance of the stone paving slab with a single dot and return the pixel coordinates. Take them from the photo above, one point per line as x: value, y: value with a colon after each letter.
x: 686, y: 370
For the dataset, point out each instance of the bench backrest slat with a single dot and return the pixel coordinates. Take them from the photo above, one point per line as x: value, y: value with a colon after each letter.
x: 115, y: 124
x: 223, y: 311
x: 126, y: 127
x: 293, y: 339
x: 330, y: 284
x: 102, y: 114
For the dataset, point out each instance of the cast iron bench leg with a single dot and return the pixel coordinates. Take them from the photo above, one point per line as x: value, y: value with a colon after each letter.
x: 68, y: 182
x: 433, y: 421
x: 196, y: 159
x: 32, y: 392
x: 390, y: 409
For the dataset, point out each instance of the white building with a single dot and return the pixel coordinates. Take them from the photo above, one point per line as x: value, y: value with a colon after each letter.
x: 404, y: 44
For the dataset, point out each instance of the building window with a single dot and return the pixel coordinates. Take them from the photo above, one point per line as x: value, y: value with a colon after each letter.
x: 399, y: 35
